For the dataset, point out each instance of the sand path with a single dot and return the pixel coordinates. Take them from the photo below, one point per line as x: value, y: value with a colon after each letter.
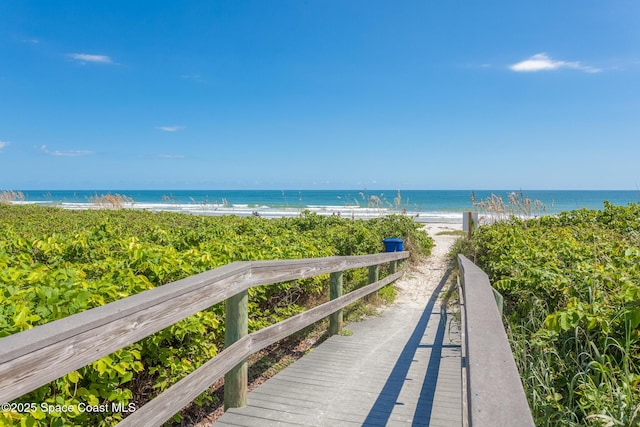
x: 417, y: 284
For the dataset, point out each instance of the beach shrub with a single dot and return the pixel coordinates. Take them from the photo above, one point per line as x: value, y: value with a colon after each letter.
x: 55, y: 263
x: 571, y: 287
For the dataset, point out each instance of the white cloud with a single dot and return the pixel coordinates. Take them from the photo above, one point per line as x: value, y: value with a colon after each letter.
x: 170, y: 128
x: 3, y: 144
x: 542, y: 62
x: 84, y: 57
x: 66, y: 153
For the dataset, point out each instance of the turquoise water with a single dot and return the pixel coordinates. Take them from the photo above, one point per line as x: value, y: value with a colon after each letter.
x: 426, y: 205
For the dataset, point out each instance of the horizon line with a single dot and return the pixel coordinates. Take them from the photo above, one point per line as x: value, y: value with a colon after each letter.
x: 313, y: 189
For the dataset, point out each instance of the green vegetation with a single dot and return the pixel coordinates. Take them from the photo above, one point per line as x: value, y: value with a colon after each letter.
x: 571, y: 287
x: 54, y: 263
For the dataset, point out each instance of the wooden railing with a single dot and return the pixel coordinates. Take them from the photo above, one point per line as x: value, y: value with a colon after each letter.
x: 494, y: 392
x: 40, y: 355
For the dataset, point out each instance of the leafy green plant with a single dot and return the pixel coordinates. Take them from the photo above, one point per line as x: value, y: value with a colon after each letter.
x: 55, y: 263
x: 571, y: 284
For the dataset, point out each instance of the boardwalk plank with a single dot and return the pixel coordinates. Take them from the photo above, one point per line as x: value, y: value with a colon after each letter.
x: 387, y: 373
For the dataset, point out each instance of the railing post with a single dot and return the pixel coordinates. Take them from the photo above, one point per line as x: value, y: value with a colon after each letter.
x: 393, y: 267
x: 374, y: 276
x: 236, y: 327
x: 335, y: 291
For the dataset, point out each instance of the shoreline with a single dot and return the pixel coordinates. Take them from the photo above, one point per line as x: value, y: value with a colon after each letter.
x: 450, y: 218
x: 264, y: 211
x: 424, y: 206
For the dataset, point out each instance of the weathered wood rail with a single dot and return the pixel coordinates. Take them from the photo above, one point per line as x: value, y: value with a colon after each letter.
x: 494, y: 392
x: 40, y: 355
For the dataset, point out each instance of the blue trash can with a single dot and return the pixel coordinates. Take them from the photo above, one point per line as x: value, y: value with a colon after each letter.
x: 393, y: 245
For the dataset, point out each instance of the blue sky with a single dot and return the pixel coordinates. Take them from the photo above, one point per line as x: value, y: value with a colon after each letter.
x: 319, y: 94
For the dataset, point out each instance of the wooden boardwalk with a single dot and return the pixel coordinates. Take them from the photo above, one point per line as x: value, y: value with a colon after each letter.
x: 390, y: 372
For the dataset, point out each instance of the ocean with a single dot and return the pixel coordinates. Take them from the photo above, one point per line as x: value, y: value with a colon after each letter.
x: 425, y: 205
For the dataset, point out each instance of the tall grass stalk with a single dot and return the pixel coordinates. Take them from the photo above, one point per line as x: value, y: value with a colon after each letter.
x: 111, y: 201
x: 598, y: 390
x: 494, y: 208
x: 8, y: 196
